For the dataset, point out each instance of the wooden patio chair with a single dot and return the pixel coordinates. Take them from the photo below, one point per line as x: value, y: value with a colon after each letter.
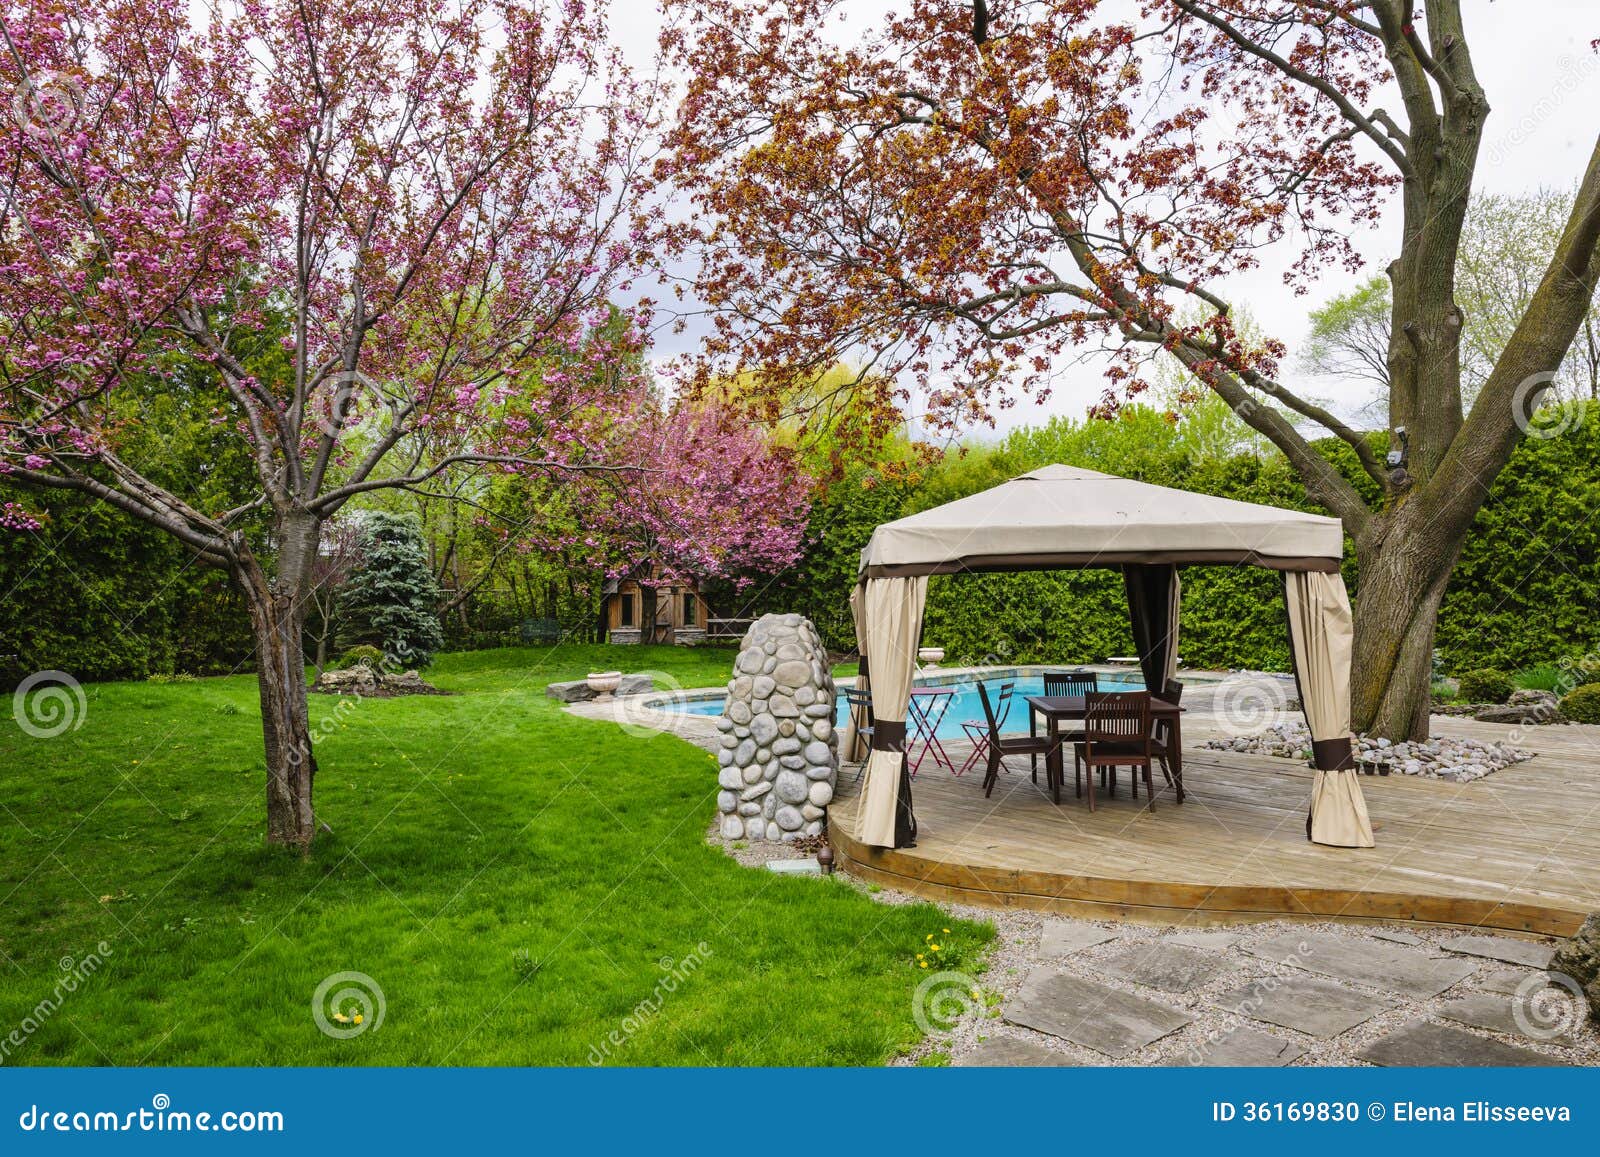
x: 1067, y: 684
x: 1001, y: 746
x: 1116, y: 733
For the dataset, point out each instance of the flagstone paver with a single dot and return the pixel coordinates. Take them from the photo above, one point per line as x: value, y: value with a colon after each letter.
x: 1205, y: 939
x: 1499, y: 1014
x: 1062, y: 938
x: 1390, y: 967
x: 1164, y: 965
x: 1527, y: 953
x: 1241, y: 1046
x: 1397, y: 936
x: 1424, y: 1043
x: 1510, y: 980
x: 1088, y: 1013
x: 1007, y: 1052
x: 1319, y: 1008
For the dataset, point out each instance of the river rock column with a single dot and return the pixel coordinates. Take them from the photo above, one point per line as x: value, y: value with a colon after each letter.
x: 779, y: 759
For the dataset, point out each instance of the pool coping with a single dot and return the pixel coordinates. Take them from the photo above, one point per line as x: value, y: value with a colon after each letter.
x: 645, y: 709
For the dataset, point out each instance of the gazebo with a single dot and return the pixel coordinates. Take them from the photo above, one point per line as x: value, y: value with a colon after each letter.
x: 1062, y: 517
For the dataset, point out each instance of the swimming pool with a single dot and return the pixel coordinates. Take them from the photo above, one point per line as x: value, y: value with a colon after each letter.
x: 964, y: 705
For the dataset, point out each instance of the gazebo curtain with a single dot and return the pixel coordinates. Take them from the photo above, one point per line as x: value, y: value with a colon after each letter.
x: 853, y: 747
x: 889, y: 627
x: 1321, y: 634
x: 1153, y: 592
x: 888, y: 620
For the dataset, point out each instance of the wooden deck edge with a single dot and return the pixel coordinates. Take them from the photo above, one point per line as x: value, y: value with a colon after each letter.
x: 1159, y: 902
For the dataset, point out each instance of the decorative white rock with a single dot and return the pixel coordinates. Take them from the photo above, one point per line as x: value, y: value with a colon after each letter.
x: 1457, y: 760
x: 784, y: 762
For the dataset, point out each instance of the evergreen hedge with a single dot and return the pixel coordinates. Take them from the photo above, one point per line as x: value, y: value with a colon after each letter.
x: 1527, y: 588
x: 105, y: 597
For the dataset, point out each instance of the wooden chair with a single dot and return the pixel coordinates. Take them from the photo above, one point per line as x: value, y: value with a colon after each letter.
x: 1068, y: 684
x: 1116, y: 733
x: 860, y: 711
x: 1001, y: 746
x: 1161, y: 738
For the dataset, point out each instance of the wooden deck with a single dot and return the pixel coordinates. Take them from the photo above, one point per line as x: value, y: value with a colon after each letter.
x: 1517, y: 851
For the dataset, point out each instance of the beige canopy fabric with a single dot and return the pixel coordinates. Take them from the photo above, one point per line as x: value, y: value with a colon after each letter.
x: 891, y: 619
x: 1321, y: 631
x: 1063, y: 516
x: 852, y: 746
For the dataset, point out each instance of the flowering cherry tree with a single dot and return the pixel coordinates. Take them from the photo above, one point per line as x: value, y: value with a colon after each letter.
x: 383, y: 236
x: 720, y: 499
x: 974, y: 190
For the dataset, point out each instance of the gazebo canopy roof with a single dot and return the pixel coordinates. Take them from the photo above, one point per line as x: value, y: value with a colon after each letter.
x: 1064, y: 516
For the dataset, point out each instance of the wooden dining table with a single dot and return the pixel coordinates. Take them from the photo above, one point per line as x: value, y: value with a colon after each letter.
x: 1055, y: 709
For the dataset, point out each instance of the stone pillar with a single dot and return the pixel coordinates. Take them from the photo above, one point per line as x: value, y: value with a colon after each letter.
x: 779, y: 759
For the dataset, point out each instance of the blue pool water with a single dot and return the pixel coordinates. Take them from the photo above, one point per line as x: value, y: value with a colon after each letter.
x: 965, y: 705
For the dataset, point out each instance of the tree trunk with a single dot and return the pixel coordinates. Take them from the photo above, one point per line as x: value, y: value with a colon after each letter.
x: 277, y: 619
x: 1404, y: 574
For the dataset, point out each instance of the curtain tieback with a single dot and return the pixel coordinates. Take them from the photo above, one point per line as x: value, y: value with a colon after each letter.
x: 888, y: 735
x: 1333, y: 754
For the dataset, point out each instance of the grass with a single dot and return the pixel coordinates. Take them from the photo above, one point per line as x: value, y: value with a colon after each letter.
x: 525, y: 887
x: 1543, y: 677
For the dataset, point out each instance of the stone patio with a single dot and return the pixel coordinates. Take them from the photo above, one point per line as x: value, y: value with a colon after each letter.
x: 1076, y: 992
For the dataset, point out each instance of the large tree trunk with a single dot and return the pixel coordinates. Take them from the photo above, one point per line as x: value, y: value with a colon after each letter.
x: 277, y: 619
x: 1404, y: 574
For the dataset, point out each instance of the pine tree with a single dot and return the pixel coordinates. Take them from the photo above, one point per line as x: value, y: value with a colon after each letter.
x: 391, y: 602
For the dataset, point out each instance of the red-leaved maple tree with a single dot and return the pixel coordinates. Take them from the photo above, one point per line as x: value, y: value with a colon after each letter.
x: 426, y: 206
x: 970, y: 191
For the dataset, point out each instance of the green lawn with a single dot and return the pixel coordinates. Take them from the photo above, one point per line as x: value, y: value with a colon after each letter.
x: 520, y: 883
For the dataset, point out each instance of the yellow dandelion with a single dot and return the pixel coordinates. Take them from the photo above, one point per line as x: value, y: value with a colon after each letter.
x: 935, y: 947
x: 924, y: 964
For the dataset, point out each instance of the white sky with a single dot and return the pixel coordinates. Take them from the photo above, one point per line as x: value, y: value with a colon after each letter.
x: 1543, y: 85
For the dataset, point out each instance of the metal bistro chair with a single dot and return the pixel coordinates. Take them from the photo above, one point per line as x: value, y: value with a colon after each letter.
x: 860, y: 710
x: 1068, y: 684
x: 1161, y: 738
x: 978, y: 736
x: 1116, y: 733
x: 1001, y: 746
